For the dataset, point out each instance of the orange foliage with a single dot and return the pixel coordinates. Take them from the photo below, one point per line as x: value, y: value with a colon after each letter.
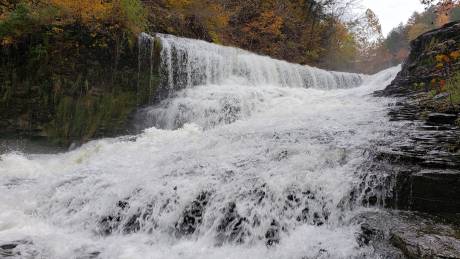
x: 455, y: 54
x: 263, y: 31
x: 442, y: 58
x: 442, y: 83
x: 267, y: 23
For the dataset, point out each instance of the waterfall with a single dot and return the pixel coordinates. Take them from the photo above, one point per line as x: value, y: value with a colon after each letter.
x: 185, y: 63
x: 241, y: 156
x: 182, y: 64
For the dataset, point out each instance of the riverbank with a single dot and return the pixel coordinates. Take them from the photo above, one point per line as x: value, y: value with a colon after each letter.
x: 427, y: 163
x: 424, y: 161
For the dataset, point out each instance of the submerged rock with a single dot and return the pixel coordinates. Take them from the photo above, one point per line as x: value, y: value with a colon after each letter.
x: 231, y: 227
x: 13, y: 249
x: 416, y: 245
x: 409, y: 235
x: 192, y: 216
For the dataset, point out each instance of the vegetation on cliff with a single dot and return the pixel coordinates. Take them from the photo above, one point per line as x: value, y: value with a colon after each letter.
x: 68, y: 68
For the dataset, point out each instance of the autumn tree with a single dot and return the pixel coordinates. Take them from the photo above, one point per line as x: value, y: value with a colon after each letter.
x: 442, y: 5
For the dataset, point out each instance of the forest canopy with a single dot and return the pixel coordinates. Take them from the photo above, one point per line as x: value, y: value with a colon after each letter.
x: 332, y: 34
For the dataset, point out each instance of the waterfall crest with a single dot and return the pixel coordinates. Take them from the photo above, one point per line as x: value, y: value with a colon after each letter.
x: 185, y: 63
x: 208, y: 84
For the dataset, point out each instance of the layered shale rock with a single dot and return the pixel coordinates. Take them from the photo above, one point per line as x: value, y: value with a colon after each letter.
x: 426, y: 162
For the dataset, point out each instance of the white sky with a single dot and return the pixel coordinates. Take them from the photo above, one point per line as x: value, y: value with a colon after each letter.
x: 392, y: 12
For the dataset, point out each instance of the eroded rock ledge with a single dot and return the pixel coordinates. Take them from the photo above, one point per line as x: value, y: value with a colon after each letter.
x: 426, y: 162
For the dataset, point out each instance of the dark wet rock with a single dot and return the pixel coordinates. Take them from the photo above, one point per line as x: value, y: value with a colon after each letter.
x: 436, y: 191
x: 8, y: 250
x: 192, y: 217
x: 282, y: 155
x: 370, y: 233
x: 409, y: 235
x: 425, y: 245
x: 11, y: 249
x: 272, y: 236
x: 422, y: 160
x: 232, y: 226
x: 91, y: 255
x: 121, y: 221
x: 422, y: 236
x: 441, y: 118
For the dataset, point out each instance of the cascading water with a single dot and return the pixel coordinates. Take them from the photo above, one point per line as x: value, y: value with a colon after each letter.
x: 249, y: 157
x: 185, y: 63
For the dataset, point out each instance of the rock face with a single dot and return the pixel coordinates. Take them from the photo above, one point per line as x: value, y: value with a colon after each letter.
x: 426, y: 162
x: 415, y: 235
x: 71, y: 87
x: 420, y: 66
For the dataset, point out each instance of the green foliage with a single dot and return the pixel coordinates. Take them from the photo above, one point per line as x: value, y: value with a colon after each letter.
x: 453, y: 88
x: 66, y: 74
x: 134, y: 15
x: 455, y: 14
x: 18, y: 21
x: 80, y: 119
x: 397, y: 39
x: 394, y: 49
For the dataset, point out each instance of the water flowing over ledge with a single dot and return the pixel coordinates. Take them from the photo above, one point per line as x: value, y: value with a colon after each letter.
x: 183, y: 63
x: 256, y: 159
x: 181, y: 75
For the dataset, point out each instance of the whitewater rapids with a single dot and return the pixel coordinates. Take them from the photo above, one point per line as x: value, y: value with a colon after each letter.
x: 231, y: 165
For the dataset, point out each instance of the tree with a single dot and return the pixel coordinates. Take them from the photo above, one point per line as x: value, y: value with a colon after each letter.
x: 440, y: 3
x: 397, y: 39
x: 367, y: 30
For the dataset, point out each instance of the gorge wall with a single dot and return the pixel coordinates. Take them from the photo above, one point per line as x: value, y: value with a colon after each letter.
x: 70, y: 86
x: 427, y: 166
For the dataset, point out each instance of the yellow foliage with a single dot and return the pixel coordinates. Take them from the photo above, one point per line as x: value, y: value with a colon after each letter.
x: 208, y: 13
x: 179, y: 4
x: 84, y: 10
x: 6, y: 40
x: 442, y: 58
x: 416, y: 30
x: 268, y: 23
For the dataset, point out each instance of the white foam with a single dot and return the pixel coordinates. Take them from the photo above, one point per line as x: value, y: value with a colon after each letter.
x: 233, y: 140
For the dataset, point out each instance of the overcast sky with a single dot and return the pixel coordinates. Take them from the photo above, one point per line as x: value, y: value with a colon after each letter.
x: 392, y: 12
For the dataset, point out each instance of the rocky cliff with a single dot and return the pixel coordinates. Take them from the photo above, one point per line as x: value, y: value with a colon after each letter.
x: 426, y: 167
x: 70, y: 85
x: 433, y: 57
